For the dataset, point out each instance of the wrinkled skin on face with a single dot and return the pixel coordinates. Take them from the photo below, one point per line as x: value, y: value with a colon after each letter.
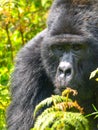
x: 70, y: 63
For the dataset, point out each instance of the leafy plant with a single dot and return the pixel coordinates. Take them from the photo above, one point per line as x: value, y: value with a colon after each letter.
x: 94, y: 113
x: 94, y: 74
x: 63, y: 114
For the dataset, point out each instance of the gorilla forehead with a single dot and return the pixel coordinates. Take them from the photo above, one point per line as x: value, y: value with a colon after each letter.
x: 66, y: 39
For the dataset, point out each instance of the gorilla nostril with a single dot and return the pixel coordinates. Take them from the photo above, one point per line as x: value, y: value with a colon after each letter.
x: 61, y: 70
x: 67, y: 72
x: 66, y: 69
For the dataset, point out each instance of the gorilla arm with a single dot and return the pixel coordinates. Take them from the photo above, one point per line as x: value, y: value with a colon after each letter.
x: 28, y: 86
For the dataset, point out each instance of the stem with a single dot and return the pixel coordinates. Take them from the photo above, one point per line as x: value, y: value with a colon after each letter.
x: 9, y: 42
x: 22, y: 37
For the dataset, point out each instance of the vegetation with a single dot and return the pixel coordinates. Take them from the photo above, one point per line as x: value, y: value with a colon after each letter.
x: 64, y: 114
x: 19, y: 22
x: 94, y: 74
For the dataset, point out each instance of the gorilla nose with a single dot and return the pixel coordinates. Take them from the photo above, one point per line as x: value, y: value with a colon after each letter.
x: 65, y: 69
x: 68, y: 72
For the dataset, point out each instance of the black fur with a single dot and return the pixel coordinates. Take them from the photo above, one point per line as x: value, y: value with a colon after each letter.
x: 36, y: 75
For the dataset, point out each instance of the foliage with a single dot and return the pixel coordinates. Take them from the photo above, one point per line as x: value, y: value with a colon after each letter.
x: 63, y: 114
x: 4, y: 95
x: 19, y: 22
x: 95, y: 113
x: 94, y: 74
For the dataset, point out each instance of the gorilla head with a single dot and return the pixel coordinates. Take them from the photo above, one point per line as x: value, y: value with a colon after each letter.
x: 70, y: 48
x: 63, y: 55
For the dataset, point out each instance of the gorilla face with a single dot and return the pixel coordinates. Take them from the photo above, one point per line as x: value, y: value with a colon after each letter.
x: 69, y: 60
x: 70, y: 49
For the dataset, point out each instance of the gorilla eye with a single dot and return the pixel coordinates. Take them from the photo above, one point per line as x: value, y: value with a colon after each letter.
x: 76, y: 47
x: 60, y: 48
x: 57, y: 50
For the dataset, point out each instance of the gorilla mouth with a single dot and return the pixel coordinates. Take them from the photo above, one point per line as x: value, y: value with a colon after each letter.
x: 62, y: 83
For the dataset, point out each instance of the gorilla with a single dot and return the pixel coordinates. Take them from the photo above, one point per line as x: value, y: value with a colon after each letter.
x: 63, y: 55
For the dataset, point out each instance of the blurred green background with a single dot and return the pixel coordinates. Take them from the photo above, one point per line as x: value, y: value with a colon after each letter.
x: 20, y: 20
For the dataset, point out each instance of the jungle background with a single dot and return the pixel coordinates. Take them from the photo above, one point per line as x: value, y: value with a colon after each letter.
x: 20, y: 20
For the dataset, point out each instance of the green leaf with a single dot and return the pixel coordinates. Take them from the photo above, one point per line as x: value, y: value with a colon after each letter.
x: 93, y: 74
